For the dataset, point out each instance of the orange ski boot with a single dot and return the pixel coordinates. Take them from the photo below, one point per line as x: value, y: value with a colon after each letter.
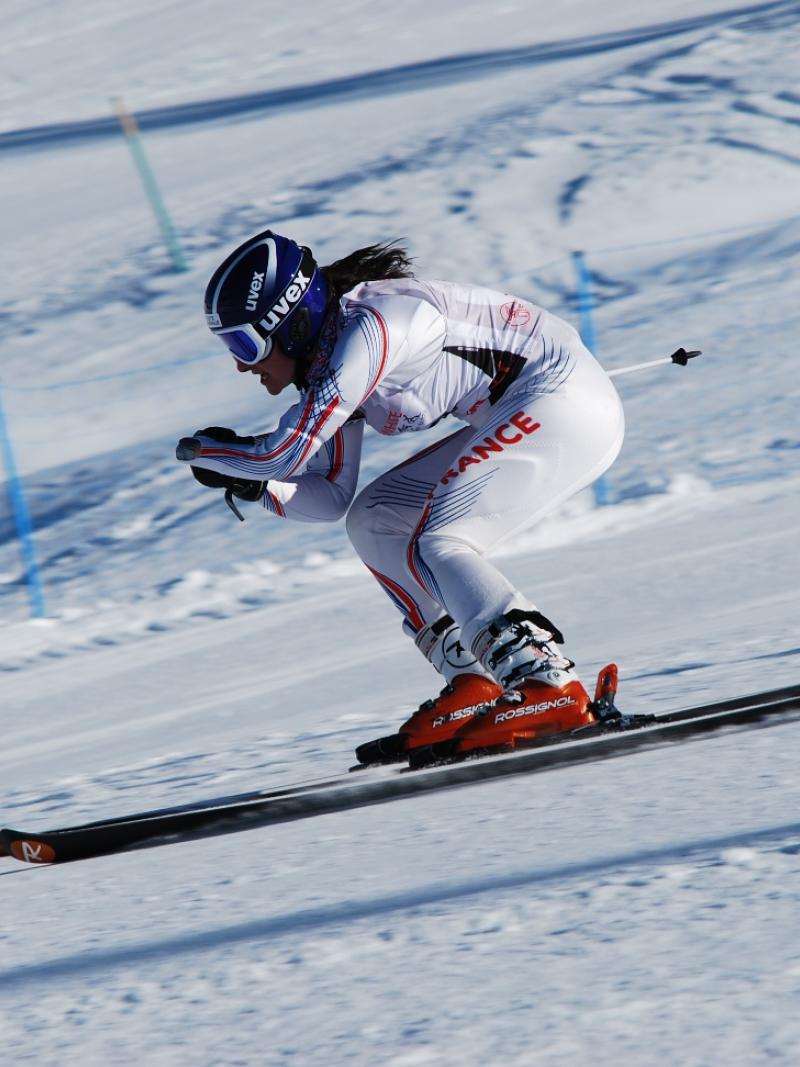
x: 530, y: 711
x: 469, y: 687
x: 434, y: 721
x: 542, y: 693
x: 440, y: 718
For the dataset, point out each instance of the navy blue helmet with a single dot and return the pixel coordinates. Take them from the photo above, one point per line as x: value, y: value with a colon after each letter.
x: 268, y: 288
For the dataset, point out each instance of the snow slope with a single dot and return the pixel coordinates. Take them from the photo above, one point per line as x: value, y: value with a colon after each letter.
x: 638, y: 912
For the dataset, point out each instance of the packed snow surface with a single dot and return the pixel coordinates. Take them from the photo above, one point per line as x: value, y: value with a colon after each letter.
x: 642, y: 911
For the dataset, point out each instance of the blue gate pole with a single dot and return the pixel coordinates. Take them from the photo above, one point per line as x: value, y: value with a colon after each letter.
x: 130, y: 128
x: 586, y: 313
x: 22, y: 519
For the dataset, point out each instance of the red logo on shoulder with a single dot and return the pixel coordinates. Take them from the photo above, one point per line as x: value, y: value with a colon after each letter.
x: 515, y: 313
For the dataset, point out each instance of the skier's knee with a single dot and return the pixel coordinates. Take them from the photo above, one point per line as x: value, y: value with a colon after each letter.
x: 440, y: 545
x: 370, y: 521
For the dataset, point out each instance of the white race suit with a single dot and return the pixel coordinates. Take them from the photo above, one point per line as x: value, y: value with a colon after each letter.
x: 541, y: 420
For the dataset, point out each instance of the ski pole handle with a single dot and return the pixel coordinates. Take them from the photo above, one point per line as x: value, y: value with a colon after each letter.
x: 680, y: 356
x: 188, y: 449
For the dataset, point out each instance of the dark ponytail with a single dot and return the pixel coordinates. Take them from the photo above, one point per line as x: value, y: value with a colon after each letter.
x: 371, y: 264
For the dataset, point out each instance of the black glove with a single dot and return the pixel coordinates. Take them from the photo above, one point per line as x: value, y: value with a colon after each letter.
x: 225, y: 436
x: 188, y: 447
x: 243, y: 488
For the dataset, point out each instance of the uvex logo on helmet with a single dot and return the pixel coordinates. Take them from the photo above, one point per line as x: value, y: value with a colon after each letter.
x: 255, y: 289
x: 279, y: 310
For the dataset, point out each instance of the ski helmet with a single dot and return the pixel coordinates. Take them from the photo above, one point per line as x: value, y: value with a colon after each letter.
x: 268, y: 288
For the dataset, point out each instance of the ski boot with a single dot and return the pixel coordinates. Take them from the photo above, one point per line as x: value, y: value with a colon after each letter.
x: 434, y: 721
x: 459, y: 702
x: 469, y: 686
x: 542, y: 695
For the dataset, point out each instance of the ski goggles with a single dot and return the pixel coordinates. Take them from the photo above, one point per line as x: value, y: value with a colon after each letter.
x: 246, y: 343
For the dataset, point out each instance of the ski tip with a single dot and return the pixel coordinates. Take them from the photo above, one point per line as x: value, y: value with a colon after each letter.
x: 27, y: 849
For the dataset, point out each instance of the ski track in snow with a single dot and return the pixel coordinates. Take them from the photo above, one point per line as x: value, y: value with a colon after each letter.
x: 547, y: 910
x: 415, y: 77
x: 742, y: 847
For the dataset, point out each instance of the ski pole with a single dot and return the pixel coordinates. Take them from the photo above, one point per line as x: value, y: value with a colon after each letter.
x: 681, y: 357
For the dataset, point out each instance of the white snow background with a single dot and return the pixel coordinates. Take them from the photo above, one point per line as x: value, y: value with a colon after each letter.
x: 640, y: 912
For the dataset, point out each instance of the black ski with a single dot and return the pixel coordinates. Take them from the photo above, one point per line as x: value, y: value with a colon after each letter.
x: 249, y: 810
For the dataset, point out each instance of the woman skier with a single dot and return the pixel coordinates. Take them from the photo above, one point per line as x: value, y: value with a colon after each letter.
x: 365, y: 341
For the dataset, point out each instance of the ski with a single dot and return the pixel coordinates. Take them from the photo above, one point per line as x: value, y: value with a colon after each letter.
x: 383, y: 784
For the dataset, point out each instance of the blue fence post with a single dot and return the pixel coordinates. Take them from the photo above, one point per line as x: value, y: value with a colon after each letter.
x: 586, y: 313
x: 22, y: 519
